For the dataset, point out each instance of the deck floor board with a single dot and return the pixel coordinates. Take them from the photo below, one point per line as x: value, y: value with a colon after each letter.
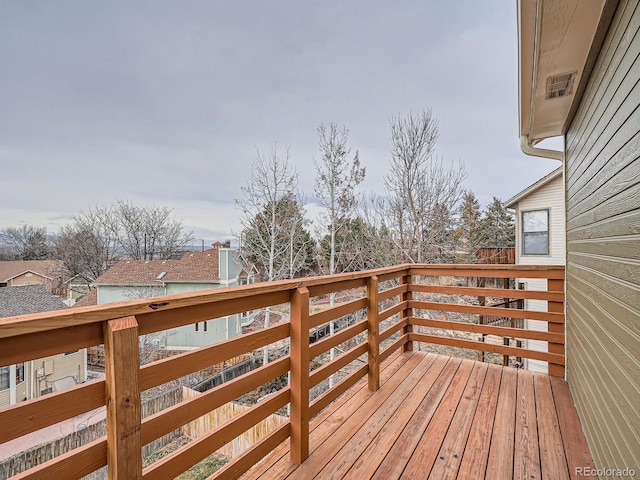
x: 441, y: 417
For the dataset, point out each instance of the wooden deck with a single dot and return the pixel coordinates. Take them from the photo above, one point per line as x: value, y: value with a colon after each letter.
x: 442, y: 417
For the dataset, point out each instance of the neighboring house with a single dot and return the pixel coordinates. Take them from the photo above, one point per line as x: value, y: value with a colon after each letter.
x: 37, y: 377
x: 32, y: 272
x: 76, y: 287
x: 540, y: 240
x: 580, y: 79
x: 213, y: 268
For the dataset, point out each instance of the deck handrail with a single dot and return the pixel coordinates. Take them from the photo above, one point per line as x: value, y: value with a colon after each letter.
x: 395, y: 317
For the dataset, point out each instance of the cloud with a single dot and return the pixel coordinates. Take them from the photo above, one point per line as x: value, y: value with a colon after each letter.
x: 166, y: 103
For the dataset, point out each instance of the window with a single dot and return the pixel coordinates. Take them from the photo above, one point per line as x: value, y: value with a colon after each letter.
x: 19, y: 373
x: 4, y: 378
x: 535, y: 232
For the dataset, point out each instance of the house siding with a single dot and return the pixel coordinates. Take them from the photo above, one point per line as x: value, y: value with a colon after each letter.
x: 551, y: 197
x: 185, y: 337
x: 66, y: 370
x: 603, y: 241
x: 29, y: 278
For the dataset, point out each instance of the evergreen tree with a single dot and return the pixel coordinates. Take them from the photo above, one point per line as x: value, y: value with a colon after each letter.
x: 468, y: 233
x: 293, y: 246
x: 497, y: 226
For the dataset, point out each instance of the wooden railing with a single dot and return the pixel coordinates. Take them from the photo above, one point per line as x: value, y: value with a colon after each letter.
x: 396, y: 306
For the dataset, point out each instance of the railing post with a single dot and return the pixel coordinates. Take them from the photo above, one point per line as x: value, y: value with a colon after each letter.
x: 507, y: 304
x: 373, y: 334
x: 299, y: 354
x: 555, y: 285
x: 482, y: 301
x: 122, y: 365
x: 407, y: 312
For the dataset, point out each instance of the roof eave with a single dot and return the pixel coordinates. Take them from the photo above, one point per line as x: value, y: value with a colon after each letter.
x: 511, y: 203
x: 555, y: 37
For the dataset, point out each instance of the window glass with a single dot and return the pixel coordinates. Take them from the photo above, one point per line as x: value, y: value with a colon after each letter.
x: 4, y: 378
x: 535, y: 232
x: 19, y: 373
x: 536, y: 221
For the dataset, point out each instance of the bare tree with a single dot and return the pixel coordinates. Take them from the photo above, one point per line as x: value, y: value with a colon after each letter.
x: 378, y: 243
x: 422, y: 192
x: 148, y: 233
x: 97, y: 238
x: 337, y: 176
x: 88, y: 246
x: 268, y: 205
x: 25, y: 243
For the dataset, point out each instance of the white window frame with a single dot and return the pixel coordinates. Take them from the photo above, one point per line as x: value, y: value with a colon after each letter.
x: 547, y: 231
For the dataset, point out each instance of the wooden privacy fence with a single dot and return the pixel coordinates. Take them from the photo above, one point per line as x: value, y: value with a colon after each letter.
x: 203, y: 425
x: 396, y: 303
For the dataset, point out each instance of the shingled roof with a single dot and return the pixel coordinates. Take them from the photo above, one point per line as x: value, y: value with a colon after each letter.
x: 45, y: 268
x: 22, y: 300
x: 193, y: 267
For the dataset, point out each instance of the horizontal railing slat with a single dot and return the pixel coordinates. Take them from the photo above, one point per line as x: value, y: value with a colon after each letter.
x: 339, y: 362
x: 174, y: 417
x: 396, y: 327
x: 73, y: 317
x: 401, y: 271
x: 338, y: 389
x: 488, y: 271
x: 166, y: 319
x: 392, y: 292
x: 73, y: 464
x: 26, y: 417
x: 489, y: 347
x: 167, y: 369
x: 490, y: 330
x: 247, y: 459
x: 389, y: 312
x: 343, y: 335
x: 494, y: 311
x: 40, y: 344
x: 326, y: 288
x: 490, y: 292
x: 335, y: 312
x: 187, y: 456
x: 395, y: 345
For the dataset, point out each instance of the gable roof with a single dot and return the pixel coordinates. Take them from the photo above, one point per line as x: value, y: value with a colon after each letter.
x: 44, y: 268
x: 91, y: 298
x: 192, y: 267
x: 511, y: 203
x: 25, y: 299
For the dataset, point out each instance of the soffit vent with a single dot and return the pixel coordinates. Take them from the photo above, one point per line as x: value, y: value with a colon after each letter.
x: 560, y: 85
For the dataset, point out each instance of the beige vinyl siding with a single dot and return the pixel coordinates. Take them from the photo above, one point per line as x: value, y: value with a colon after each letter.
x: 551, y: 197
x: 66, y: 370
x: 603, y: 233
x: 29, y: 278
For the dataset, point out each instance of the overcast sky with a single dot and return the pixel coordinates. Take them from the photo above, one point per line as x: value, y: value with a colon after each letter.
x: 165, y: 103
